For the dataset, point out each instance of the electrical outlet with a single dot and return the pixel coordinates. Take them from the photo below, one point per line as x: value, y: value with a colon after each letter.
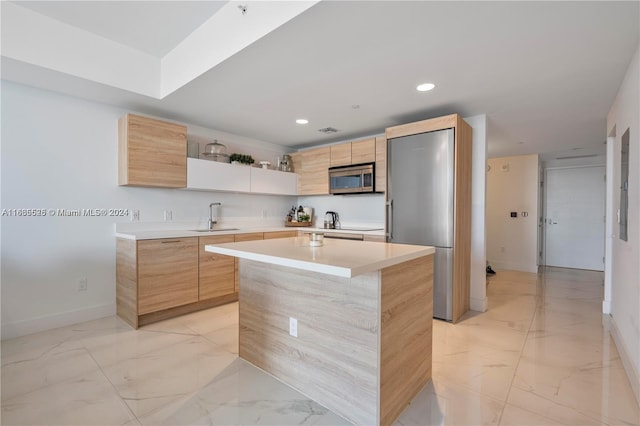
x: 135, y: 215
x: 293, y: 327
x: 82, y: 284
x: 264, y: 213
x: 168, y: 215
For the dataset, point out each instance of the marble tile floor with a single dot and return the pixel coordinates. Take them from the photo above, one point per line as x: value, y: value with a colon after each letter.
x: 539, y: 356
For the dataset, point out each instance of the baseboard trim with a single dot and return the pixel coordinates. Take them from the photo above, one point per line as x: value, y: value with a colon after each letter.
x: 48, y: 322
x: 479, y: 305
x: 632, y: 373
x: 506, y: 266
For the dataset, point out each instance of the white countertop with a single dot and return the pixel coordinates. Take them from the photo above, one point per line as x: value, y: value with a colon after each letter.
x: 154, y: 234
x: 343, y: 258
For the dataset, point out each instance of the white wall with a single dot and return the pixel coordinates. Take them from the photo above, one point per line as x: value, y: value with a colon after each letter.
x: 512, y: 185
x: 478, y: 289
x: 625, y: 274
x: 61, y: 152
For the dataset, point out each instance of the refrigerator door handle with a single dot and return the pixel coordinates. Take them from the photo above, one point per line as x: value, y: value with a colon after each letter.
x: 389, y: 220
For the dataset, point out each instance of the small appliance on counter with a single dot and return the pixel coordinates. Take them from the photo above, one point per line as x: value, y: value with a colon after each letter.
x: 331, y: 220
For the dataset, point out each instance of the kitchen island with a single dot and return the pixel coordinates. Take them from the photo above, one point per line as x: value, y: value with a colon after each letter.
x: 349, y: 323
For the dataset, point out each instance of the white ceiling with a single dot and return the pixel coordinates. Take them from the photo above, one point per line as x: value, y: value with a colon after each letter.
x: 545, y: 73
x: 153, y: 27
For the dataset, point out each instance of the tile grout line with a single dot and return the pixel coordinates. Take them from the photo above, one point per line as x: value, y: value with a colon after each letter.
x: 537, y: 413
x: 48, y: 384
x: 115, y: 389
x: 526, y: 338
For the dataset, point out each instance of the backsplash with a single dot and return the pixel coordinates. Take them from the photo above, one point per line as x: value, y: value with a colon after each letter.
x: 356, y: 210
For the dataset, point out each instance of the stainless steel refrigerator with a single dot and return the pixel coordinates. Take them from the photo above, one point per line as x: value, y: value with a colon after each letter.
x: 420, y: 210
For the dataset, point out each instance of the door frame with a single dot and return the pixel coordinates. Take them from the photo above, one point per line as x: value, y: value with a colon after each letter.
x: 544, y: 183
x: 609, y: 212
x: 542, y: 198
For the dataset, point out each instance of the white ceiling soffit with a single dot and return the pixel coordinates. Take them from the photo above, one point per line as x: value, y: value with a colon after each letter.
x: 107, y: 56
x: 152, y: 27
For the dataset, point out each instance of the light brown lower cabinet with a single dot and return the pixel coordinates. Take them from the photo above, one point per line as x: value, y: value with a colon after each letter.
x: 163, y: 278
x: 217, y: 271
x: 280, y: 234
x: 244, y: 237
x: 375, y: 238
x: 167, y: 273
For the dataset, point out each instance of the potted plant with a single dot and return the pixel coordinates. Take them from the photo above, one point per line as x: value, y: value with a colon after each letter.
x: 241, y: 159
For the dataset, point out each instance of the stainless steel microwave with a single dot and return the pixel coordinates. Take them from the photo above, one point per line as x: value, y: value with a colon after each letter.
x: 355, y: 179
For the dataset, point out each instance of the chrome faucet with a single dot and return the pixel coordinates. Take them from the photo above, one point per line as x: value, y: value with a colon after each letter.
x: 212, y: 221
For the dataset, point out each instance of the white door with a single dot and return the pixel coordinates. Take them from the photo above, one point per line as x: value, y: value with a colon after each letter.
x: 574, y: 218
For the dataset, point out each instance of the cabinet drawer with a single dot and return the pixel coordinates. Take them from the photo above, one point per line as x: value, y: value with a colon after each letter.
x: 280, y: 234
x: 217, y: 271
x: 252, y: 236
x: 167, y: 273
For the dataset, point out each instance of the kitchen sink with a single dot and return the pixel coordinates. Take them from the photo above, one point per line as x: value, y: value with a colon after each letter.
x: 214, y: 230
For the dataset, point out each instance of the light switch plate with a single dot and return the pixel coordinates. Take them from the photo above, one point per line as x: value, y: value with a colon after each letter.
x: 293, y: 327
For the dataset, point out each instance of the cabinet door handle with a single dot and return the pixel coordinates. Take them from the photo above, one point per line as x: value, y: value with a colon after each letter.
x: 389, y: 220
x: 171, y: 242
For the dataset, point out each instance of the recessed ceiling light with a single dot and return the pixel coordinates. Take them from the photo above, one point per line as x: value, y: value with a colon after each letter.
x: 302, y: 121
x: 425, y: 87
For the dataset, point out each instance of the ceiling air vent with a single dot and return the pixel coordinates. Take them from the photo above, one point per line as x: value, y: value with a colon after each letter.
x: 328, y: 130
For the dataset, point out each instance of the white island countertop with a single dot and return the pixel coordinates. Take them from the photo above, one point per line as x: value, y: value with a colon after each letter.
x: 342, y: 258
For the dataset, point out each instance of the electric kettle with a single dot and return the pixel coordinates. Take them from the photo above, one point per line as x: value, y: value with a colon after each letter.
x: 331, y: 220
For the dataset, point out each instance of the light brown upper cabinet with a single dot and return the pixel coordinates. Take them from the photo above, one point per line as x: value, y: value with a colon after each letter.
x: 363, y: 151
x: 357, y: 152
x: 381, y: 164
x: 340, y: 154
x: 312, y: 167
x: 151, y: 152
